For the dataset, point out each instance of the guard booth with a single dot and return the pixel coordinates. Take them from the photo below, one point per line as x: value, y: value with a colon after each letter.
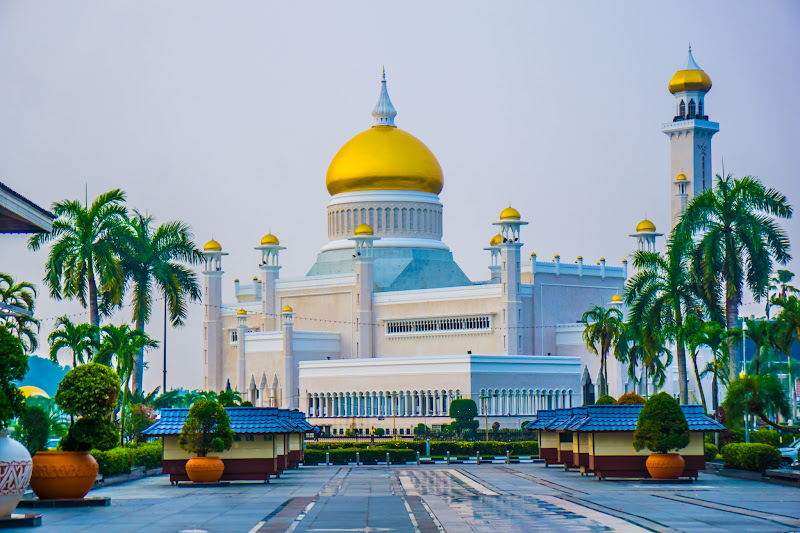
x: 259, y: 449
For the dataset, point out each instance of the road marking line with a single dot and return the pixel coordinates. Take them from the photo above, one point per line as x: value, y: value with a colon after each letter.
x: 408, y: 485
x: 616, y: 524
x: 300, y: 517
x: 780, y: 519
x: 471, y: 483
x: 257, y: 527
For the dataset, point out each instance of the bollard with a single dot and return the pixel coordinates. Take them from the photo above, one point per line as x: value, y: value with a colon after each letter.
x: 417, y: 457
x: 448, y: 457
x: 428, y: 447
x: 387, y: 459
x: 508, y: 456
x: 327, y: 458
x: 358, y: 458
x: 478, y: 457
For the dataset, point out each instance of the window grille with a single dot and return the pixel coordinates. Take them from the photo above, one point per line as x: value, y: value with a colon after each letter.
x: 439, y: 325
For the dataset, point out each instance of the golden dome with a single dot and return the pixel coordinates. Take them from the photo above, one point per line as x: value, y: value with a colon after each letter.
x: 645, y: 225
x: 557, y: 256
x: 509, y: 213
x: 364, y: 229
x: 212, y: 246
x: 616, y: 298
x: 384, y: 158
x: 31, y: 390
x: 269, y: 238
x: 602, y: 259
x: 241, y: 312
x: 287, y: 309
x: 680, y: 177
x: 497, y: 239
x: 690, y: 77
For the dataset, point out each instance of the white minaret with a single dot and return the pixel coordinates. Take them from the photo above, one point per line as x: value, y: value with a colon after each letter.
x: 362, y: 295
x: 494, y: 258
x: 212, y: 317
x: 645, y: 236
x: 511, y: 301
x: 270, y: 270
x: 241, y: 363
x: 690, y: 135
x: 290, y: 390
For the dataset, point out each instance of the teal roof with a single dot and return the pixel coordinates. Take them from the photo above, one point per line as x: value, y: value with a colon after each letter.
x: 613, y: 418
x: 243, y: 420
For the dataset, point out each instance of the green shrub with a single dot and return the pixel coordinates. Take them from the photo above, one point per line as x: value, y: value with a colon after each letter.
x: 138, y: 418
x: 148, y: 455
x: 348, y: 455
x: 35, y: 426
x: 463, y: 410
x: 711, y: 451
x: 766, y: 436
x: 631, y: 398
x: 13, y: 367
x: 94, y: 433
x: 524, y: 423
x: 89, y: 390
x: 754, y: 457
x: 421, y: 429
x: 661, y: 426
x: 114, y: 461
x: 439, y: 448
x: 380, y: 432
x: 606, y: 399
x: 207, y: 428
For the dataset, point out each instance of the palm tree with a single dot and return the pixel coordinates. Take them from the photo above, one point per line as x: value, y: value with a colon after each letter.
x: 653, y: 347
x: 22, y: 296
x: 691, y: 328
x: 83, y: 259
x: 120, y: 345
x: 780, y: 284
x: 604, y: 329
x: 153, y: 256
x: 712, y: 335
x: 739, y: 238
x: 660, y: 296
x: 761, y: 333
x: 78, y: 338
x: 758, y: 395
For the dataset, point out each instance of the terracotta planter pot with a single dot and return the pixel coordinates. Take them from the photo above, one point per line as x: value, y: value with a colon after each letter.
x: 63, y: 475
x: 204, y: 469
x: 15, y: 471
x: 665, y: 465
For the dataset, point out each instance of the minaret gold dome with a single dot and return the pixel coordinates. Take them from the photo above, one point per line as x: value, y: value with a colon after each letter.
x: 690, y: 77
x: 680, y: 177
x: 509, y: 213
x: 645, y: 225
x: 364, y: 229
x: 269, y: 239
x: 384, y: 158
x: 497, y: 239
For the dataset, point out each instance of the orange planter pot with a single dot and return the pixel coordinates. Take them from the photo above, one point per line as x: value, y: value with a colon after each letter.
x: 204, y: 469
x: 665, y: 465
x: 63, y: 475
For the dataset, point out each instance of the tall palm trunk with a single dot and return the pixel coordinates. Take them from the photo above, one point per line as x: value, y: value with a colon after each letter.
x: 683, y: 381
x: 603, y: 385
x: 731, y: 314
x: 122, y: 413
x: 699, y: 383
x: 138, y: 363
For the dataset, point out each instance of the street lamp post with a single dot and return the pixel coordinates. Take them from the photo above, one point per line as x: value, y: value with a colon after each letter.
x: 485, y: 403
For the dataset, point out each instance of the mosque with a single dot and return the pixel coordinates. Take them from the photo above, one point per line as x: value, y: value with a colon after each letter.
x: 385, y: 329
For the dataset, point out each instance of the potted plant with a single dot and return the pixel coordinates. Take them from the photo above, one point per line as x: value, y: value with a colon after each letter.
x: 662, y: 427
x: 207, y: 428
x: 90, y: 392
x: 15, y: 461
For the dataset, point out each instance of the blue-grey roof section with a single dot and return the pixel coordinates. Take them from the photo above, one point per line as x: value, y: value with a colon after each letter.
x: 624, y: 418
x: 576, y: 415
x: 243, y: 420
x: 542, y: 419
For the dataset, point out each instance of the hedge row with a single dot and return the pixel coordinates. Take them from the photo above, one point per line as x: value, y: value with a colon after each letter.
x: 120, y: 460
x: 711, y: 451
x: 456, y: 448
x: 348, y: 455
x: 751, y: 456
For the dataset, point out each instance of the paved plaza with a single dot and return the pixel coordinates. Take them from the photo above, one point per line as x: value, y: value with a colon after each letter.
x: 436, y: 498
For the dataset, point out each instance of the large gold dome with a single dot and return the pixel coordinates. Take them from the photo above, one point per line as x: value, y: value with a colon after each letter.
x: 384, y: 158
x: 690, y: 77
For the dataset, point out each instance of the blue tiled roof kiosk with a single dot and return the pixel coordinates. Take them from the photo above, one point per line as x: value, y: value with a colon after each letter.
x: 268, y: 441
x: 602, y: 439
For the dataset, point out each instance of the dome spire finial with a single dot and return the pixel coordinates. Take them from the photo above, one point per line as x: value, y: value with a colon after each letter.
x: 384, y: 111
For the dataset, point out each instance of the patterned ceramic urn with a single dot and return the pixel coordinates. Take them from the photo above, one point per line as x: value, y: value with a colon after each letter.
x: 15, y: 472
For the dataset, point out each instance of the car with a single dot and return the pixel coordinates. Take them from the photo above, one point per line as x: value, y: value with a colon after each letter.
x: 52, y: 443
x: 789, y: 454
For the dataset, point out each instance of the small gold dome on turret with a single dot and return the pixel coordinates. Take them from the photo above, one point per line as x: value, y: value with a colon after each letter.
x: 509, y: 213
x: 241, y: 312
x: 616, y: 298
x: 497, y: 239
x: 645, y: 225
x: 268, y: 239
x: 212, y: 246
x: 680, y: 177
x: 364, y: 229
x: 287, y: 309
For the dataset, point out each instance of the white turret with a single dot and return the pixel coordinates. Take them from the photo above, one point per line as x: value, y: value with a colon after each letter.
x: 384, y: 111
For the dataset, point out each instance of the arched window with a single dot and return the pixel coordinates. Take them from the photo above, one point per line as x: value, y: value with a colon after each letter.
x: 700, y: 108
x: 691, y: 109
x: 682, y: 109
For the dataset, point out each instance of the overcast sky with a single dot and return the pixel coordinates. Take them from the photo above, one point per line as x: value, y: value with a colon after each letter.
x: 226, y: 115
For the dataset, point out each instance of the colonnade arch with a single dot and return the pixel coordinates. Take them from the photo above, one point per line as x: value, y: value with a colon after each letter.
x: 398, y: 403
x: 521, y: 402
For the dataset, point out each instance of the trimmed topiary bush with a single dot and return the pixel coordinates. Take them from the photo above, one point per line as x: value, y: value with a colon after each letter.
x: 207, y: 428
x: 631, y: 398
x: 35, y: 425
x: 89, y: 391
x: 99, y: 432
x: 711, y: 451
x: 661, y: 426
x: 606, y: 399
x: 766, y: 436
x: 753, y: 457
